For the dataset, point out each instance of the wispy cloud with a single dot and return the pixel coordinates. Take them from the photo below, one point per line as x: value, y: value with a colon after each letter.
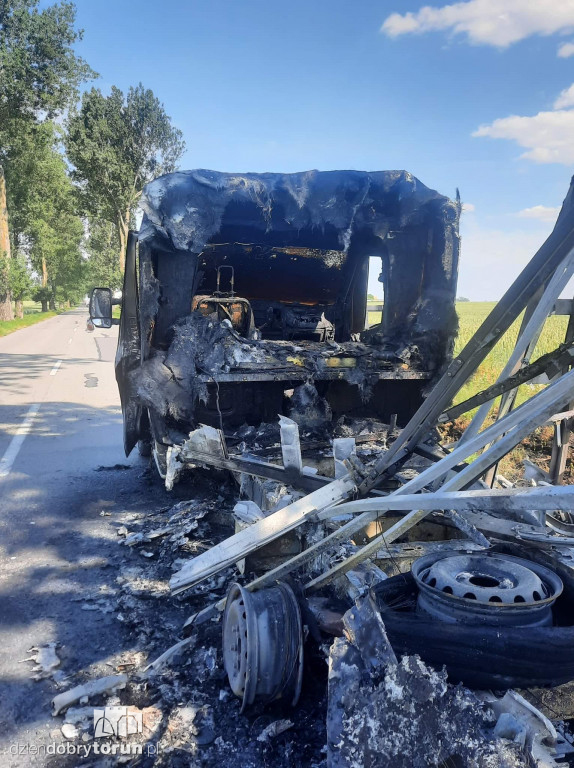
x: 468, y: 207
x: 487, y: 22
x: 565, y: 99
x: 547, y: 136
x: 544, y: 213
x: 566, y: 50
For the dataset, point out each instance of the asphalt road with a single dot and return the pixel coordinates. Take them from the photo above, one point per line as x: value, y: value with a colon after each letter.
x: 60, y: 442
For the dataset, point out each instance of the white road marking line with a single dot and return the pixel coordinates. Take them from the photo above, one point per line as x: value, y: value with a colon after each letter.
x: 69, y: 341
x: 13, y: 449
x: 54, y: 370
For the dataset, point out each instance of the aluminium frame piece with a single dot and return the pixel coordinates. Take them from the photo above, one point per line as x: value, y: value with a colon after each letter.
x: 263, y: 532
x: 561, y: 357
x: 531, y: 414
x: 523, y: 351
x: 560, y: 442
x: 526, y: 342
x: 562, y: 429
x: 474, y: 504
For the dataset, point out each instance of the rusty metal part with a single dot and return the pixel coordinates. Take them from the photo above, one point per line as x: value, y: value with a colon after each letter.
x: 263, y: 644
x: 486, y: 588
x: 232, y: 308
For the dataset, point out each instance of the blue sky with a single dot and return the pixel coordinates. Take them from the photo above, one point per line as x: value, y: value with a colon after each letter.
x: 263, y: 85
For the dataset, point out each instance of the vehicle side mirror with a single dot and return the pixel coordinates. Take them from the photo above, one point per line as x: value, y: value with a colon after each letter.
x: 101, y: 307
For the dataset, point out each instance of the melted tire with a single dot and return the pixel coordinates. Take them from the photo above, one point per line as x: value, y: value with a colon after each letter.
x: 480, y: 657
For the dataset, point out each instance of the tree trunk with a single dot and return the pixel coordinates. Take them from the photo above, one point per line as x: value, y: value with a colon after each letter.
x: 123, y: 227
x: 19, y: 308
x: 46, y: 303
x: 6, y: 312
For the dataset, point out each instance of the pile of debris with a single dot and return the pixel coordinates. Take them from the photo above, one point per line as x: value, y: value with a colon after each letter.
x: 380, y: 597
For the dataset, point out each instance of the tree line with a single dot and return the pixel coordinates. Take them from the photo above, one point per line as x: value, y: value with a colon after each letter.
x: 71, y: 169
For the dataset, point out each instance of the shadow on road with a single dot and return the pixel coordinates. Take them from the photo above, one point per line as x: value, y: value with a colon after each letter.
x: 16, y: 368
x: 60, y: 554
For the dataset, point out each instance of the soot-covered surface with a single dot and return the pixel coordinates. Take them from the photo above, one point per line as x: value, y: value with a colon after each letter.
x: 187, y: 209
x: 324, y: 226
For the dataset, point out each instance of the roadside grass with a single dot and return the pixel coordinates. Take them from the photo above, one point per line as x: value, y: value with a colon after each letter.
x: 9, y: 326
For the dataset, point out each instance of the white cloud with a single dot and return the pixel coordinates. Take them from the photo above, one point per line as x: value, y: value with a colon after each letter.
x: 566, y: 99
x: 468, y: 207
x: 565, y: 50
x: 540, y: 212
x: 548, y: 136
x: 488, y: 22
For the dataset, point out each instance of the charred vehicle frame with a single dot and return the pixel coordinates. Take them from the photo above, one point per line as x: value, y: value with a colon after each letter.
x: 239, y: 288
x: 487, y: 588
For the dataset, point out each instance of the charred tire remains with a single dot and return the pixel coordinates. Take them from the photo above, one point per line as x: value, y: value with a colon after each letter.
x: 263, y: 644
x: 486, y: 588
x: 480, y: 654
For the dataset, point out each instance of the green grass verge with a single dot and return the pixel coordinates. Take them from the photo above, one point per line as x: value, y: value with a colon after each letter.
x: 9, y: 326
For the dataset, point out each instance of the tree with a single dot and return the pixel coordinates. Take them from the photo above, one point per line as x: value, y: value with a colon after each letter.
x: 67, y: 278
x: 5, y: 297
x: 20, y: 282
x: 45, y: 223
x: 32, y: 152
x: 57, y: 235
x: 39, y: 77
x: 118, y: 144
x: 43, y: 295
x: 57, y: 255
x: 103, y: 269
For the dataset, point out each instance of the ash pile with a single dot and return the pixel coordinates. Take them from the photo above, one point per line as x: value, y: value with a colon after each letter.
x: 359, y: 594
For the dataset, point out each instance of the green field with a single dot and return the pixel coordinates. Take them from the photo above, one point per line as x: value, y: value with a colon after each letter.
x: 471, y: 314
x: 32, y: 307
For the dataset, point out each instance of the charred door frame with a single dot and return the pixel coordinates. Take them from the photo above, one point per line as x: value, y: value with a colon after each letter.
x: 128, y: 354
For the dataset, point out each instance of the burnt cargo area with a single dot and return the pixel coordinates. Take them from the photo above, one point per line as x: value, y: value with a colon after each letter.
x: 251, y: 285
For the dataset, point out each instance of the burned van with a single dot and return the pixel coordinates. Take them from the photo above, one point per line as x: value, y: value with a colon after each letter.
x: 243, y: 289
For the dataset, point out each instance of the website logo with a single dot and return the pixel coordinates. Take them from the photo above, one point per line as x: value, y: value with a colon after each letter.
x: 120, y: 722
